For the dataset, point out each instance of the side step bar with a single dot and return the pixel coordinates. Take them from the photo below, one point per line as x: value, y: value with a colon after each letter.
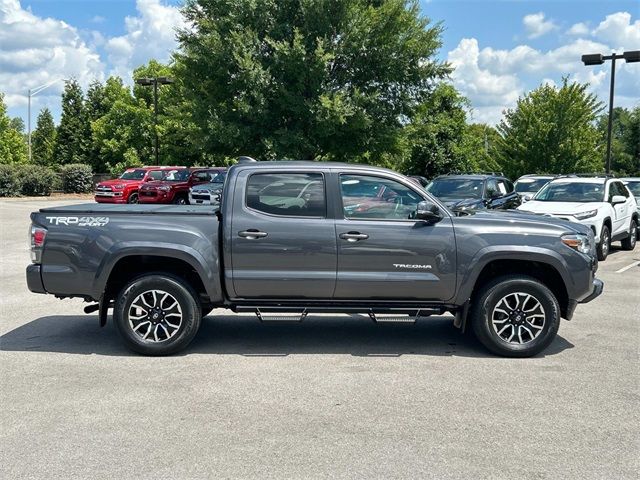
x: 270, y: 314
x: 280, y: 316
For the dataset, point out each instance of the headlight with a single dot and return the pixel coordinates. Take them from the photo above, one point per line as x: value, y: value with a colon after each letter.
x: 164, y: 188
x: 583, y: 215
x: 578, y: 242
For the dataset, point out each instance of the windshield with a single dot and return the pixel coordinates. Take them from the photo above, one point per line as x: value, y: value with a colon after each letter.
x: 133, y: 175
x: 634, y: 187
x: 531, y: 184
x: 571, y: 192
x: 456, y: 188
x: 180, y: 175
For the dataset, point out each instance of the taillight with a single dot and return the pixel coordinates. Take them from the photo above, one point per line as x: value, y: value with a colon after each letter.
x: 37, y: 238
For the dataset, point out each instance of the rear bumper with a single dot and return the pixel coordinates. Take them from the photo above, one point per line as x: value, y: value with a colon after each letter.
x: 34, y: 279
x: 598, y: 287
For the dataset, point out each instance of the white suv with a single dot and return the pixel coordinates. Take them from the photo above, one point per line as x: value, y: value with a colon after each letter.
x: 602, y: 203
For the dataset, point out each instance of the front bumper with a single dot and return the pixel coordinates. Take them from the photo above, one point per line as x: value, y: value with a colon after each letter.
x: 598, y: 287
x: 154, y: 196
x: 34, y: 279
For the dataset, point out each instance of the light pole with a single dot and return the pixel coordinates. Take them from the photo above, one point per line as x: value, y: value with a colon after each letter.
x: 599, y: 59
x: 32, y: 92
x: 155, y: 81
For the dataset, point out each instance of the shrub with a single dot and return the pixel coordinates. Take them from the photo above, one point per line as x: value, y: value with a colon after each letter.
x: 76, y: 178
x: 37, y: 180
x: 10, y: 181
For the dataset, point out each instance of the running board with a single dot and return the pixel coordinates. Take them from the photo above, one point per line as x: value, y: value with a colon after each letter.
x: 392, y: 318
x: 280, y: 316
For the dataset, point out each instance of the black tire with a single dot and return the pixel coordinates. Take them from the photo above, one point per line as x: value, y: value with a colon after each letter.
x: 133, y: 198
x: 603, y: 248
x: 181, y: 200
x: 629, y: 243
x: 492, y: 295
x: 180, y: 337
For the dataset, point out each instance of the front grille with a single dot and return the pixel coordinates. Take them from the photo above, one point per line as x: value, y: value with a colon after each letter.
x: 200, y: 196
x: 102, y: 188
x: 148, y: 193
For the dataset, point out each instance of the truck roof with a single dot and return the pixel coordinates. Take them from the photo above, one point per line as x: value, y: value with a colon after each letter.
x: 285, y: 164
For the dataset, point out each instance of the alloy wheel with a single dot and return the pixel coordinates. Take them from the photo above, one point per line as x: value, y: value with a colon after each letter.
x: 518, y: 318
x: 155, y: 316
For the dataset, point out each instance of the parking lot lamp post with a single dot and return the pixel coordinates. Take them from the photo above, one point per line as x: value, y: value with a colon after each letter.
x: 599, y: 59
x: 32, y: 92
x: 155, y: 81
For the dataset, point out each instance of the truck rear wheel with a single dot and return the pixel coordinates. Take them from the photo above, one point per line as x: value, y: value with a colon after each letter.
x: 515, y: 316
x: 157, y: 314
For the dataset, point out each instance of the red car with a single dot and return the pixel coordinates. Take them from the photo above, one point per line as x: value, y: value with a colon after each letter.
x: 125, y: 189
x: 174, y: 185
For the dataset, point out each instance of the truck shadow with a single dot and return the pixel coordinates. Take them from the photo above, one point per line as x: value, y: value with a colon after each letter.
x: 244, y: 335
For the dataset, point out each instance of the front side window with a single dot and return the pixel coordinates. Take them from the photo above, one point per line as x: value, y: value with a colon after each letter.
x: 365, y: 197
x: 156, y: 174
x: 287, y: 194
x: 493, y: 190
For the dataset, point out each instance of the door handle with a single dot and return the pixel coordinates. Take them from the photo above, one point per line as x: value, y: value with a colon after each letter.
x: 353, y: 236
x: 252, y: 234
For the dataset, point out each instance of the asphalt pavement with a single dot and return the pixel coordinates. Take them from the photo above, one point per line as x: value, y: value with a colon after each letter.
x: 332, y: 397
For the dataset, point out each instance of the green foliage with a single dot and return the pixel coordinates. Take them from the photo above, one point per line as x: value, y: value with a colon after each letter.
x: 435, y: 133
x: 43, y: 139
x: 76, y: 178
x: 13, y: 148
x: 37, y: 180
x: 552, y: 130
x: 625, y: 140
x: 10, y: 180
x: 73, y: 140
x: 479, y: 148
x: 329, y: 80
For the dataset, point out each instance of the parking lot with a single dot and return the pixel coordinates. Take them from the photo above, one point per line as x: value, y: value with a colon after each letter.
x: 334, y: 396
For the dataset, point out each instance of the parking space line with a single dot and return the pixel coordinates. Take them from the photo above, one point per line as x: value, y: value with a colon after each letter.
x: 624, y: 269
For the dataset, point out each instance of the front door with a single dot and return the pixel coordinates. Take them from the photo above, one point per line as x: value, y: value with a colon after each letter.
x: 282, y: 243
x: 382, y: 253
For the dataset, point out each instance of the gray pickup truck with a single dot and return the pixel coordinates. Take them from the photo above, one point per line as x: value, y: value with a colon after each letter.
x: 293, y: 238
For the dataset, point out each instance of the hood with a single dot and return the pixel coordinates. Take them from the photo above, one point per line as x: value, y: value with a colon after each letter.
x: 561, y: 208
x: 463, y: 203
x: 117, y: 181
x: 511, y: 217
x: 208, y: 187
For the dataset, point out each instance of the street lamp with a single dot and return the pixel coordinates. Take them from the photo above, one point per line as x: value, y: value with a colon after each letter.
x: 155, y: 81
x: 599, y: 59
x: 32, y: 92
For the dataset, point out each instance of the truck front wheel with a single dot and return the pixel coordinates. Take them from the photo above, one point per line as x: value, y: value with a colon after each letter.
x: 515, y: 316
x: 157, y: 314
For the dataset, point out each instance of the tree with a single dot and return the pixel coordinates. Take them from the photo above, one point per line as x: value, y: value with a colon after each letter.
x: 625, y: 139
x: 479, y: 147
x: 73, y: 140
x: 43, y: 139
x: 13, y: 148
x: 17, y: 124
x: 552, y: 130
x: 331, y: 79
x: 435, y: 132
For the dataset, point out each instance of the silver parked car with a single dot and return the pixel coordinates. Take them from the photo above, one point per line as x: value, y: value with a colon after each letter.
x: 528, y: 185
x: 208, y: 193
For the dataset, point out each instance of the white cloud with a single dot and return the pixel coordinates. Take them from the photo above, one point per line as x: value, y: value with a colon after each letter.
x: 619, y: 32
x: 35, y: 51
x: 536, y: 25
x: 150, y: 34
x: 493, y: 79
x: 579, y: 29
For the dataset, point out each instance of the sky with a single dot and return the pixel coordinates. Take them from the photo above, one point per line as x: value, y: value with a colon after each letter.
x: 500, y: 49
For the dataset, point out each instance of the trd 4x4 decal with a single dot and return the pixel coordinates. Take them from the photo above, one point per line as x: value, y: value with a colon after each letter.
x: 79, y: 221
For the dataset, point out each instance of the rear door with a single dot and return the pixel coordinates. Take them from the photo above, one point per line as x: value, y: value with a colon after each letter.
x: 283, y: 244
x: 382, y: 253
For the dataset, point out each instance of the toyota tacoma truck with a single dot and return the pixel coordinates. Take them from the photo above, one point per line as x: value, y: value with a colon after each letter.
x: 290, y: 239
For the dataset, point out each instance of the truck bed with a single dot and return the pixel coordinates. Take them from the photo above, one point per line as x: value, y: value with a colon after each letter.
x: 110, y: 209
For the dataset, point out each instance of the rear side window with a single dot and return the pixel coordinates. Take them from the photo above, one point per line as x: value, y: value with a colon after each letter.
x: 287, y: 194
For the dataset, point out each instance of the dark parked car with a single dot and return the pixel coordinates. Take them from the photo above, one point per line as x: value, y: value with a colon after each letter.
x: 290, y: 239
x: 419, y: 179
x: 475, y: 192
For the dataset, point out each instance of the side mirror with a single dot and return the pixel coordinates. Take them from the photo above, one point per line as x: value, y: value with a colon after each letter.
x: 428, y: 212
x: 618, y: 199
